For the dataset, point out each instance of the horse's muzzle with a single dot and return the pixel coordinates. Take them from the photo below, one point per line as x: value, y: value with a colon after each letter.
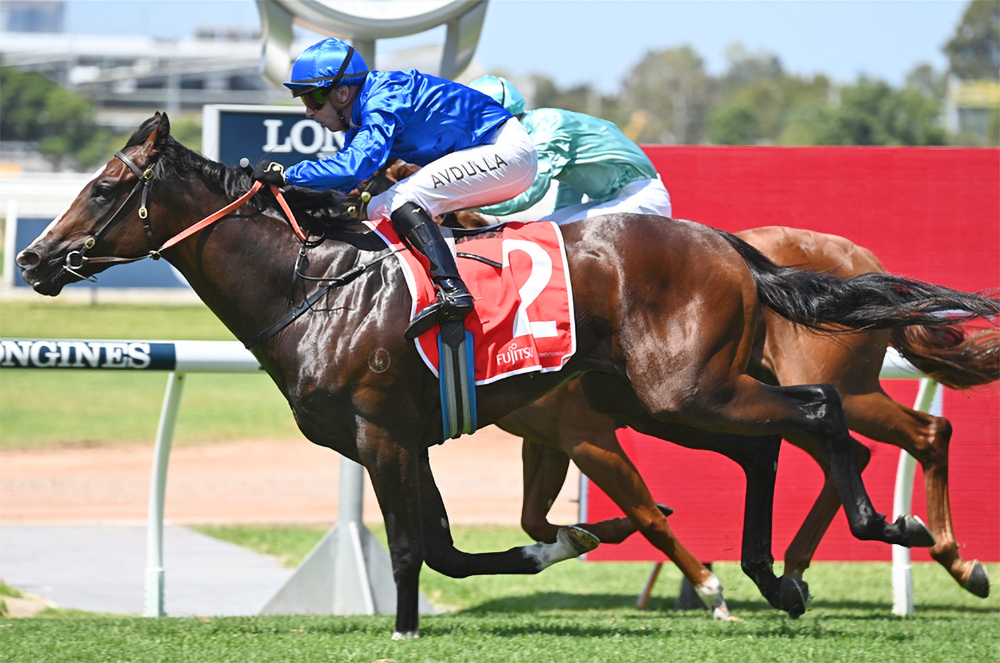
x: 45, y: 277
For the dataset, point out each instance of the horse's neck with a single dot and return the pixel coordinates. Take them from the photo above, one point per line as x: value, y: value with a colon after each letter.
x: 243, y: 268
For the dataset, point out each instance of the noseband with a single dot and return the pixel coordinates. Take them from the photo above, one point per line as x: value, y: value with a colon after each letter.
x: 77, y: 259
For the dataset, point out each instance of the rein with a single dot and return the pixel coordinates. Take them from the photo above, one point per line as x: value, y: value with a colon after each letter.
x: 77, y: 259
x: 306, y: 304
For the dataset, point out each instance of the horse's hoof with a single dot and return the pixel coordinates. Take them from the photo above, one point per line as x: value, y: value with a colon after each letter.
x: 794, y: 596
x: 722, y: 614
x: 665, y: 510
x: 408, y: 635
x: 979, y: 581
x: 915, y: 532
x: 579, y: 539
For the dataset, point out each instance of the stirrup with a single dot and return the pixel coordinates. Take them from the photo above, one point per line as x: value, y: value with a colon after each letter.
x: 453, y: 304
x: 439, y: 311
x: 423, y: 321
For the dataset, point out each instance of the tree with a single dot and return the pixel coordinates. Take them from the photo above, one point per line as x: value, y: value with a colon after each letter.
x: 579, y: 98
x: 974, y: 52
x: 755, y: 98
x: 669, y: 89
x: 22, y: 97
x: 745, y: 68
x: 872, y: 113
x: 733, y: 123
x: 34, y: 109
x: 930, y: 83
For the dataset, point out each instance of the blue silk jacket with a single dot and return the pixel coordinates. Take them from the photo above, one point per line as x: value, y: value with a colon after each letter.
x: 403, y: 115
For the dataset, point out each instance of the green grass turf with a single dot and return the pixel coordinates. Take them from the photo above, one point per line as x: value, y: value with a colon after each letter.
x: 571, y: 612
x: 46, y: 408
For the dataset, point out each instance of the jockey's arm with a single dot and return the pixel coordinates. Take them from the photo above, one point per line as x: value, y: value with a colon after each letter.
x: 366, y: 152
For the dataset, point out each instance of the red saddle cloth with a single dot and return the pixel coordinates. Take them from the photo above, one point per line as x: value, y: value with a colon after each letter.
x: 523, y: 320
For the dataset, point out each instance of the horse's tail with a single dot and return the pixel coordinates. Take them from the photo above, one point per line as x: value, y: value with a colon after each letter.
x: 869, y: 301
x: 951, y: 356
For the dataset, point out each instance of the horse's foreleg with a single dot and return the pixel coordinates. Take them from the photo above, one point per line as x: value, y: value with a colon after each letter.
x: 550, y: 426
x: 926, y: 438
x: 609, y: 468
x: 545, y: 471
x: 395, y: 476
x: 544, y: 475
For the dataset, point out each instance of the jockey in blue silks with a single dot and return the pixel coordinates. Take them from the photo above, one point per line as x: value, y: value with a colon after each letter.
x: 472, y: 153
x: 584, y: 155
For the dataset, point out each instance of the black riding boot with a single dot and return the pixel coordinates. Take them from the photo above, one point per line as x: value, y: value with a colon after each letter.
x: 421, y: 233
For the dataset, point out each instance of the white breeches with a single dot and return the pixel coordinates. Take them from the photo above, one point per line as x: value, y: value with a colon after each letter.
x: 640, y: 197
x: 480, y: 175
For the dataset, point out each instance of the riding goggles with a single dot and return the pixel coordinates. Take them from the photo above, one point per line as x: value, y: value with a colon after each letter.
x: 315, y: 99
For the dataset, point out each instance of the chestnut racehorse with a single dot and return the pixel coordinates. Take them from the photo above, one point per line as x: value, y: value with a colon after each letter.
x: 788, y: 354
x: 666, y: 315
x: 785, y: 354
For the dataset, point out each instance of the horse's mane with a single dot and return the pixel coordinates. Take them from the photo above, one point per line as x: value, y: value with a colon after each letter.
x: 319, y: 211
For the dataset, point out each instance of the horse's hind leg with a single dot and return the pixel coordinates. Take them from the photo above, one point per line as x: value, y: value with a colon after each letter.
x: 802, y: 414
x: 756, y: 456
x: 800, y: 551
x: 926, y: 438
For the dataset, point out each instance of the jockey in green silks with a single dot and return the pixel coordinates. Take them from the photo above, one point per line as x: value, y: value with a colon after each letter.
x: 584, y: 156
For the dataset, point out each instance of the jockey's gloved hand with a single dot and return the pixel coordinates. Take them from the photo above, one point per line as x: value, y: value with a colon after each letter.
x: 269, y: 172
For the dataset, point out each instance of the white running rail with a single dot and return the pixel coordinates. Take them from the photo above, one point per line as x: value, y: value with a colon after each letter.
x: 182, y: 357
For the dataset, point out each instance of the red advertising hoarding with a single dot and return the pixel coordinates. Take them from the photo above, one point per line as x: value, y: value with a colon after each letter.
x: 927, y: 213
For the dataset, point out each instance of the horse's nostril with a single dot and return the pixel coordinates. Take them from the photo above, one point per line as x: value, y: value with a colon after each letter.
x: 26, y: 259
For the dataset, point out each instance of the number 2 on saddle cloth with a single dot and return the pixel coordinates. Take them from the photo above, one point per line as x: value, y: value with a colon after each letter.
x: 518, y: 275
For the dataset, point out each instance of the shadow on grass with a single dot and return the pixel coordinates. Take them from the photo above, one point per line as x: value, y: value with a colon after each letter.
x: 555, y: 601
x: 563, y: 601
x: 583, y: 602
x: 885, y: 609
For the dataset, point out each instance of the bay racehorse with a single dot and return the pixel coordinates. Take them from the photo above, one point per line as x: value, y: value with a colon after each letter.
x: 666, y: 313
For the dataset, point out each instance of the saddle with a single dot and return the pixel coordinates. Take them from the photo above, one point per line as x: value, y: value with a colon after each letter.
x: 523, y: 319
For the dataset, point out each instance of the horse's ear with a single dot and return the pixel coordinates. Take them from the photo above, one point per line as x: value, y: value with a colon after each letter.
x: 161, y: 131
x: 164, y: 129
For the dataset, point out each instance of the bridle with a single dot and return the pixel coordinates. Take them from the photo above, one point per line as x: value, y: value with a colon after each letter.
x: 75, y: 260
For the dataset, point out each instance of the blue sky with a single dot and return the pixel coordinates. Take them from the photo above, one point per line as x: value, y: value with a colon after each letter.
x: 599, y: 41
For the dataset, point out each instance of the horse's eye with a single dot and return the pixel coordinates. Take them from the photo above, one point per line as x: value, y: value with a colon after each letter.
x: 100, y: 192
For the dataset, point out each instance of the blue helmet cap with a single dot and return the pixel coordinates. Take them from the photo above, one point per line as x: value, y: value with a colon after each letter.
x: 501, y: 91
x: 328, y: 63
